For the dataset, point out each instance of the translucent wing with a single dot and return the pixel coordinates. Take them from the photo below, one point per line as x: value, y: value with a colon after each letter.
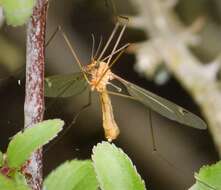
x: 66, y: 85
x: 164, y: 107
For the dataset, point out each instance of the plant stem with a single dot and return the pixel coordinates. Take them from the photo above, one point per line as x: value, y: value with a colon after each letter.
x: 34, y: 94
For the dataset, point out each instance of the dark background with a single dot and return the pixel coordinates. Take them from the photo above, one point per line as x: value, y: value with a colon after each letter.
x: 181, y: 150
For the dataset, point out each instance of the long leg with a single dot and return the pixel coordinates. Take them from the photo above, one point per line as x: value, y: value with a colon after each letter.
x: 121, y: 95
x: 117, y: 51
x: 19, y: 72
x: 113, y: 32
x: 73, y: 52
x: 83, y: 108
x: 154, y: 147
x: 150, y: 117
x: 92, y: 49
x: 98, y: 48
x: 52, y: 37
x: 117, y: 42
x: 67, y: 41
x: 152, y: 132
x: 114, y: 61
x: 108, y: 42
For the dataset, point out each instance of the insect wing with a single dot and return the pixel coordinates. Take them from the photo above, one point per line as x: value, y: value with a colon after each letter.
x: 64, y: 86
x: 164, y: 107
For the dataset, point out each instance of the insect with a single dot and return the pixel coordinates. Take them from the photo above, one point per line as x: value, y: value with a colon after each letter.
x: 97, y: 75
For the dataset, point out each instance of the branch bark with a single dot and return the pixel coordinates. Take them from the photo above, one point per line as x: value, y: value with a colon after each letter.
x: 165, y: 30
x: 34, y: 94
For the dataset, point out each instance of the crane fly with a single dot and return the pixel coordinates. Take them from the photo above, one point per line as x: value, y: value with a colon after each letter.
x: 97, y: 75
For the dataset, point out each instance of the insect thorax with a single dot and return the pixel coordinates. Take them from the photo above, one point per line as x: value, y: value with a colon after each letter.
x: 100, y: 75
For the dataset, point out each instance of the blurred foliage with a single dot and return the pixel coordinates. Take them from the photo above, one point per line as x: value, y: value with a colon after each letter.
x: 11, y: 57
x: 210, y: 42
x: 17, y: 12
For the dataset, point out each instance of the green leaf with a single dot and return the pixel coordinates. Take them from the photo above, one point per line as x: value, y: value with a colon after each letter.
x: 9, y: 184
x: 66, y: 85
x: 72, y: 175
x: 208, y: 178
x: 164, y: 107
x: 1, y: 159
x: 20, y: 180
x: 114, y: 169
x: 17, y: 12
x: 23, y: 144
x: 21, y: 187
x: 6, y: 183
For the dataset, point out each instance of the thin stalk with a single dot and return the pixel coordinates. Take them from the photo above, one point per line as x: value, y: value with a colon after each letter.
x: 34, y: 92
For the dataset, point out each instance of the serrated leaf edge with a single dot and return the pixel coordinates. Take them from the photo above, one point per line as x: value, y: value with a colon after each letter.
x: 68, y: 162
x: 122, y: 153
x: 20, y: 133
